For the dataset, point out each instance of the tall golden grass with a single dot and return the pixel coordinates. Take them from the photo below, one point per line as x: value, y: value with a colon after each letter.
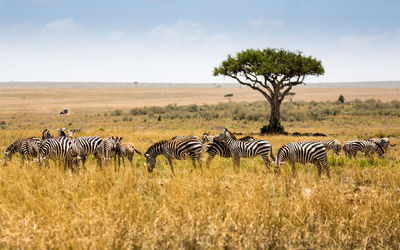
x: 215, y: 207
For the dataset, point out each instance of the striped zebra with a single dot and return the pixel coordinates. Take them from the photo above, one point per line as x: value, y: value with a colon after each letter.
x: 174, y: 149
x: 303, y: 152
x: 216, y: 147
x: 46, y: 134
x: 61, y: 149
x: 88, y: 146
x: 108, y: 148
x: 28, y: 148
x: 128, y: 150
x: 183, y: 137
x: 333, y: 145
x: 367, y: 147
x: 383, y: 142
x: 206, y: 137
x: 245, y: 149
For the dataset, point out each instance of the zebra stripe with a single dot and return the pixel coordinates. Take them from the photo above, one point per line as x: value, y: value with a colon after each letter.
x: 88, y: 146
x: 333, y: 145
x: 60, y: 148
x: 46, y: 134
x: 28, y: 148
x: 367, y: 147
x: 383, y: 142
x: 215, y: 147
x: 246, y: 149
x: 174, y: 149
x: 183, y: 137
x: 108, y: 148
x: 303, y: 152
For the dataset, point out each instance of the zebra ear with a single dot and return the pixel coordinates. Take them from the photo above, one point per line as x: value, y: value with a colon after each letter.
x: 58, y: 129
x: 147, y: 155
x: 120, y: 139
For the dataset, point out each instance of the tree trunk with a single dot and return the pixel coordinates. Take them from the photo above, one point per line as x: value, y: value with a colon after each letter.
x: 274, y: 120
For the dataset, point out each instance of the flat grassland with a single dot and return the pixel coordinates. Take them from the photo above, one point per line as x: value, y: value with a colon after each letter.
x: 215, y: 207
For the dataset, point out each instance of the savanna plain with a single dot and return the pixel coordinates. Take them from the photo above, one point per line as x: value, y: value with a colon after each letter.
x: 212, y: 207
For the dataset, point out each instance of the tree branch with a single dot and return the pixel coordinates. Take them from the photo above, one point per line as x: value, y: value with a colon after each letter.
x: 253, y: 87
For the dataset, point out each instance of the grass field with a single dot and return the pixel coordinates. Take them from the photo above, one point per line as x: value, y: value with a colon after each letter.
x: 215, y: 207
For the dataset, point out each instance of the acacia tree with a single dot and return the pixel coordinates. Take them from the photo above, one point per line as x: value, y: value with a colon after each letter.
x: 273, y: 73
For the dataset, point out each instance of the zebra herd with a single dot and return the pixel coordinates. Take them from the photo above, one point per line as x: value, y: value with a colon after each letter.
x: 67, y: 150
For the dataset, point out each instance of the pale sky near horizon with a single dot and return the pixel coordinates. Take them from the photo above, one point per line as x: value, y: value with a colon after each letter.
x: 182, y: 41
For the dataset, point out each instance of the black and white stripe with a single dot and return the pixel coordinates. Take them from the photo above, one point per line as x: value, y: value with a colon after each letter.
x: 383, y: 142
x: 108, y: 148
x: 246, y: 149
x: 46, y: 134
x: 303, y: 152
x: 88, y: 146
x: 174, y: 149
x: 333, y: 145
x: 216, y: 147
x: 28, y: 148
x: 60, y: 149
x: 367, y: 147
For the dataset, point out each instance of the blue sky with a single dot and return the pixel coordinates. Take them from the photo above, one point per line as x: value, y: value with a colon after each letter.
x: 182, y: 41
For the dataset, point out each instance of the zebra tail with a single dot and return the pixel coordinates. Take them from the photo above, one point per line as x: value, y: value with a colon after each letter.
x: 137, y: 151
x: 272, y: 154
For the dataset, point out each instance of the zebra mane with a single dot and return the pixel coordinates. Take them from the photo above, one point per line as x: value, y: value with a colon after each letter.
x: 155, y: 146
x: 231, y: 134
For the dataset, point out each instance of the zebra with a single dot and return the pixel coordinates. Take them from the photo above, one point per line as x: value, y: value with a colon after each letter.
x: 174, y: 149
x: 332, y: 145
x: 303, y: 152
x: 128, y: 150
x: 61, y: 149
x: 206, y: 137
x: 28, y: 148
x: 182, y: 137
x: 88, y: 146
x: 383, y: 142
x: 46, y: 134
x: 245, y: 149
x: 216, y: 147
x: 108, y: 148
x: 367, y: 147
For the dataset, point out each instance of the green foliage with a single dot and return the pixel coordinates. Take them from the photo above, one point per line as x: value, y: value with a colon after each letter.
x: 275, y: 62
x: 341, y: 99
x: 102, y: 129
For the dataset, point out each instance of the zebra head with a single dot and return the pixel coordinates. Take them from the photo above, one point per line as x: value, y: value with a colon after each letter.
x: 281, y: 156
x: 70, y: 133
x: 206, y: 137
x: 7, y: 156
x: 46, y: 134
x: 151, y: 162
x: 224, y: 135
x: 61, y: 132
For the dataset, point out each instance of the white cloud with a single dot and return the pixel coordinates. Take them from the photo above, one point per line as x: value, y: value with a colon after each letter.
x: 361, y: 40
x: 183, y: 30
x: 116, y: 34
x: 262, y: 22
x: 66, y: 24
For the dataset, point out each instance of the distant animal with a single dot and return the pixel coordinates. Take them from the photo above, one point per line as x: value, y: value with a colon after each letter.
x: 303, y: 152
x: 109, y: 147
x: 128, y: 150
x: 367, y: 147
x: 383, y: 142
x: 174, y: 149
x: 28, y: 148
x: 246, y: 149
x: 64, y: 112
x: 333, y: 145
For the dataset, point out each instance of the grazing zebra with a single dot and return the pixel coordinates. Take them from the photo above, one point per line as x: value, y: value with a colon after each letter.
x: 216, y: 147
x: 182, y: 137
x: 332, y: 145
x: 28, y: 148
x: 128, y: 150
x: 108, y: 148
x: 347, y: 148
x: 367, y: 147
x: 383, y: 142
x: 60, y: 149
x: 174, y: 149
x: 46, y: 134
x: 303, y: 152
x: 245, y: 149
x: 88, y: 146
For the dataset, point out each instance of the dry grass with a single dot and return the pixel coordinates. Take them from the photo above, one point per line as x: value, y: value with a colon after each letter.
x: 210, y: 208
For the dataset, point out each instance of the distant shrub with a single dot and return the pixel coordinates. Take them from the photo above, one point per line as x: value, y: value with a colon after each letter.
x: 102, y: 129
x: 2, y: 122
x: 116, y: 112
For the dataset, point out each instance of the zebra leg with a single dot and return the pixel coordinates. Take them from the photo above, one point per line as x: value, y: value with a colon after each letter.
x: 326, y: 166
x: 210, y: 157
x: 236, y: 162
x: 319, y: 169
x: 294, y: 168
x: 171, y: 164
x: 199, y: 160
x: 267, y: 161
